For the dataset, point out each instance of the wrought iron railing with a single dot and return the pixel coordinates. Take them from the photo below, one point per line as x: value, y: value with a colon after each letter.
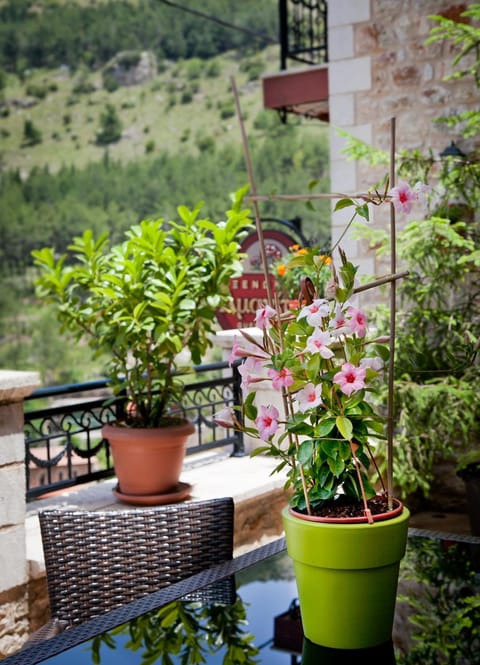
x: 63, y: 442
x: 303, y: 31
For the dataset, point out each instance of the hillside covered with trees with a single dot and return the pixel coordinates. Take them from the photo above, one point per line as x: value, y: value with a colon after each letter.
x: 115, y: 111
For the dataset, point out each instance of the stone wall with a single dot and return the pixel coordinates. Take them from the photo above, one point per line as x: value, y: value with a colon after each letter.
x: 380, y: 68
x: 14, y: 605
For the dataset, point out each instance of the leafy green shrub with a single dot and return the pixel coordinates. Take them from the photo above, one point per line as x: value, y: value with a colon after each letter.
x: 439, y: 319
x: 128, y: 59
x: 205, y: 143
x: 194, y: 68
x: 186, y: 97
x: 171, y: 102
x: 262, y: 120
x: 213, y: 69
x: 252, y: 67
x: 227, y: 109
x: 439, y: 419
x: 82, y: 84
x: 38, y: 90
x: 444, y: 603
x: 437, y: 404
x: 110, y: 83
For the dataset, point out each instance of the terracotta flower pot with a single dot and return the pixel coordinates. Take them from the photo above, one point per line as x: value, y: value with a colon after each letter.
x: 148, y: 461
x: 347, y: 575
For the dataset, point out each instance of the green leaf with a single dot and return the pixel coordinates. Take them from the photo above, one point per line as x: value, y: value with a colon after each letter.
x: 305, y: 452
x: 336, y: 465
x: 363, y: 211
x: 325, y: 427
x: 249, y: 408
x: 343, y: 203
x: 345, y: 427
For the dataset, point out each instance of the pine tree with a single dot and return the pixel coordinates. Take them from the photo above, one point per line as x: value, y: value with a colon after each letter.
x: 31, y: 134
x: 110, y: 126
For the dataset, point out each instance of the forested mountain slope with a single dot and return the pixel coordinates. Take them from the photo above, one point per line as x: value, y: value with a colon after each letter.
x: 111, y: 112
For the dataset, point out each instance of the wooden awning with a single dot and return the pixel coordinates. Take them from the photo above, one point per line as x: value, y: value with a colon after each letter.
x: 300, y: 91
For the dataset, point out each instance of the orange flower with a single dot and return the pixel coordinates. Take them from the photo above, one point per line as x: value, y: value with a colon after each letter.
x: 326, y: 259
x: 302, y: 251
x: 281, y: 270
x: 294, y: 248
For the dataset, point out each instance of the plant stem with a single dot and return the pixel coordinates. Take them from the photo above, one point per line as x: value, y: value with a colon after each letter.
x: 368, y: 512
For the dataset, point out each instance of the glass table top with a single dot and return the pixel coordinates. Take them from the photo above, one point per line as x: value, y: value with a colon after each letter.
x: 437, y: 618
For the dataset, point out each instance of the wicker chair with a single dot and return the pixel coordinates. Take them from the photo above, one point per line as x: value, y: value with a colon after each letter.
x: 97, y: 561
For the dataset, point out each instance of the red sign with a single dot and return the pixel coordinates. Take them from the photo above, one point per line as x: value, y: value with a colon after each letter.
x: 249, y: 292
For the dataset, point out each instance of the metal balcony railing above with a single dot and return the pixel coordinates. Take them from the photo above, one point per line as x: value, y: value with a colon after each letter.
x: 63, y: 442
x: 304, y: 40
x: 303, y: 32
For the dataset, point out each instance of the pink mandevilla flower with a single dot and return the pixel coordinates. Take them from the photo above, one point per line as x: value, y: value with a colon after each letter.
x: 280, y: 378
x: 350, y: 378
x: 318, y: 343
x: 309, y: 397
x: 339, y: 322
x: 263, y: 316
x: 247, y: 371
x: 422, y: 190
x: 225, y: 417
x: 267, y: 422
x: 236, y: 352
x: 246, y: 350
x: 403, y: 196
x: 357, y: 321
x: 372, y: 362
x: 251, y: 365
x: 315, y: 312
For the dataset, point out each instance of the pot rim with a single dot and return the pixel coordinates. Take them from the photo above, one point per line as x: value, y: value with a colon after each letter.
x: 121, y: 426
x: 397, y: 510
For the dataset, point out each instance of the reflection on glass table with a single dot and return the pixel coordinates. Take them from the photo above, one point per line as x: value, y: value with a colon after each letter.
x: 437, y: 619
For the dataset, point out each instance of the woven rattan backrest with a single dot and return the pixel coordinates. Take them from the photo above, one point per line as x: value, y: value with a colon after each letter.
x: 96, y: 561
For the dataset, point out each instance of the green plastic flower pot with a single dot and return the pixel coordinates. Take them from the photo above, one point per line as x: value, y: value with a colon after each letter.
x: 347, y: 577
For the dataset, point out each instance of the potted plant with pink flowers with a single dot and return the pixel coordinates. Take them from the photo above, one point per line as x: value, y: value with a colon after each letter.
x: 326, y: 365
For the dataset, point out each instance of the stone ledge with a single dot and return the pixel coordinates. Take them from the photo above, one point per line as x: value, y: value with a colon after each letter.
x: 14, y: 386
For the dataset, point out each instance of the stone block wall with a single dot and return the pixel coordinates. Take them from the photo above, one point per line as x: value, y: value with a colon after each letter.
x: 14, y: 604
x: 380, y: 68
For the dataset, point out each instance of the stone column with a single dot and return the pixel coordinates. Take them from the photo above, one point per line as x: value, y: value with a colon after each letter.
x: 14, y: 387
x: 349, y: 78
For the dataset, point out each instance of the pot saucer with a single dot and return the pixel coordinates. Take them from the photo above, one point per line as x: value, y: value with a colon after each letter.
x: 181, y: 492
